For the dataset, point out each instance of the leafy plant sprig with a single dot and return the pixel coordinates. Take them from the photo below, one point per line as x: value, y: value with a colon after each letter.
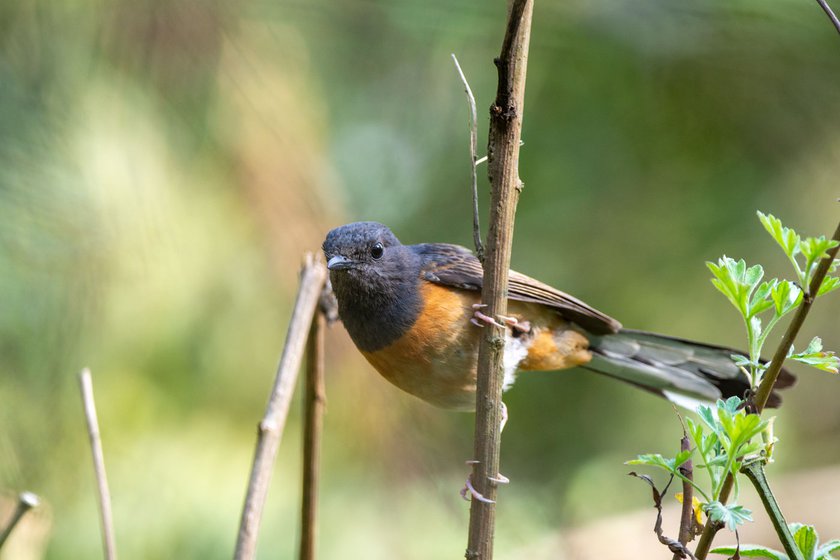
x: 753, y: 298
x: 723, y: 438
x: 805, y: 537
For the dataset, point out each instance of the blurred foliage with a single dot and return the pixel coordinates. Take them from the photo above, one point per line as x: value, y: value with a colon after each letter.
x: 163, y: 165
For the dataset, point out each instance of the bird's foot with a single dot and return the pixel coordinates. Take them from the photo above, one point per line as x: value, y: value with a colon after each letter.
x: 480, y: 319
x: 470, y: 489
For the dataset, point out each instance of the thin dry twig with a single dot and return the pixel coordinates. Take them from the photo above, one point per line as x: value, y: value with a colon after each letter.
x: 827, y: 9
x: 26, y: 501
x: 107, y: 519
x: 270, y: 429
x: 769, y: 380
x: 473, y: 122
x: 314, y: 404
x: 677, y: 547
x: 503, y: 168
x: 687, y: 520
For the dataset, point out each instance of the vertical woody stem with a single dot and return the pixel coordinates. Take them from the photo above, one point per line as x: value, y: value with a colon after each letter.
x: 503, y: 165
x: 312, y: 279
x: 314, y: 402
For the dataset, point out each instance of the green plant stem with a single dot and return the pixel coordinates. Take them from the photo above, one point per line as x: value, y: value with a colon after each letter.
x: 769, y: 380
x: 775, y: 367
x: 755, y: 472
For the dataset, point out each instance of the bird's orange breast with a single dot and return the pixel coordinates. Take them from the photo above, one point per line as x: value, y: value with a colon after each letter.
x: 435, y: 359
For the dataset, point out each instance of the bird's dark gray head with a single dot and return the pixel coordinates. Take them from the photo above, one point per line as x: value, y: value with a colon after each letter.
x: 375, y: 279
x: 358, y: 246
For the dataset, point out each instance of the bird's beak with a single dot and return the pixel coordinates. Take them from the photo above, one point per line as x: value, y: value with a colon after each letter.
x: 339, y: 262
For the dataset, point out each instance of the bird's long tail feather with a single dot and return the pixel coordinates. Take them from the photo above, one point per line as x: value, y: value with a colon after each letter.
x: 685, y: 372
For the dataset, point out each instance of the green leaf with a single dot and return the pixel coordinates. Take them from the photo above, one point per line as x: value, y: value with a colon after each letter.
x: 705, y: 413
x: 805, y: 537
x: 815, y: 356
x: 657, y: 460
x: 816, y: 248
x: 786, y: 296
x: 825, y: 550
x: 829, y: 284
x: 731, y: 405
x: 741, y: 361
x: 751, y: 551
x: 787, y: 239
x: 731, y: 515
x: 737, y: 282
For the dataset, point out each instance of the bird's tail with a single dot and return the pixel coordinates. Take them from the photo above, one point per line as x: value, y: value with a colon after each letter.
x: 685, y: 372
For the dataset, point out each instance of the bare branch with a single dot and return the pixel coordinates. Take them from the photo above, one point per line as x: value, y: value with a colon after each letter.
x: 312, y: 280
x: 677, y: 547
x: 473, y: 122
x: 687, y: 520
x: 26, y: 501
x: 314, y: 403
x: 827, y: 9
x: 108, y: 540
x: 503, y: 168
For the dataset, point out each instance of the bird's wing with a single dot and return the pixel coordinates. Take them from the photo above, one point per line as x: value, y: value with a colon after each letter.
x: 456, y: 266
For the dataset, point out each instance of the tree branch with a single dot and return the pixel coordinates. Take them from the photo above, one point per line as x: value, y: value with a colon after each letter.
x: 503, y: 153
x: 314, y: 403
x: 827, y: 9
x: 107, y: 518
x: 26, y: 501
x: 312, y: 280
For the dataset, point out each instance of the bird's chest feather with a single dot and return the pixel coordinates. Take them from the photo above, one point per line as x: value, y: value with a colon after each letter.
x: 435, y: 359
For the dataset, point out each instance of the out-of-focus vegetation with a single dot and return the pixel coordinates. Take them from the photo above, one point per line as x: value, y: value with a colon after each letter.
x: 163, y: 165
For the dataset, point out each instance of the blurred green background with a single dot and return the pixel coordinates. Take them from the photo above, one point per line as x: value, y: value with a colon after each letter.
x: 164, y: 165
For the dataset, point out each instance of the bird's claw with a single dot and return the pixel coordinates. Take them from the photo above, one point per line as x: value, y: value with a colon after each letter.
x: 480, y: 319
x: 470, y: 489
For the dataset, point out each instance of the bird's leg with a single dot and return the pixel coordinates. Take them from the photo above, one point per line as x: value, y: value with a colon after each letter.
x: 498, y: 479
x: 480, y: 319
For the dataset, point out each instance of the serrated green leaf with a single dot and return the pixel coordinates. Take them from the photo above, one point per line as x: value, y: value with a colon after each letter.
x: 653, y: 460
x: 829, y: 284
x: 751, y: 551
x: 815, y: 357
x: 705, y: 413
x: 731, y: 515
x: 731, y: 405
x: 815, y: 345
x: 828, y: 362
x: 682, y: 457
x: 753, y: 275
x: 787, y: 239
x: 786, y: 296
x: 816, y: 248
x: 805, y: 537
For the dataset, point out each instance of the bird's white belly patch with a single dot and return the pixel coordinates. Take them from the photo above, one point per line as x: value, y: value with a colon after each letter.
x: 516, y: 350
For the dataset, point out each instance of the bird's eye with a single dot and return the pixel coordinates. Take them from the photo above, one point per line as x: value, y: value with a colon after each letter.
x: 377, y: 251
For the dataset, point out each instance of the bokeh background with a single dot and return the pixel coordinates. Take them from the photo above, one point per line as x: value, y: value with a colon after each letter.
x: 165, y: 164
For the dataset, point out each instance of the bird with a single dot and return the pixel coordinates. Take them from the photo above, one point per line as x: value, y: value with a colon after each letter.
x: 414, y: 313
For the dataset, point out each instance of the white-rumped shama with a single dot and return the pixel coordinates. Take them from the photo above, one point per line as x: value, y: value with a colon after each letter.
x: 411, y: 310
